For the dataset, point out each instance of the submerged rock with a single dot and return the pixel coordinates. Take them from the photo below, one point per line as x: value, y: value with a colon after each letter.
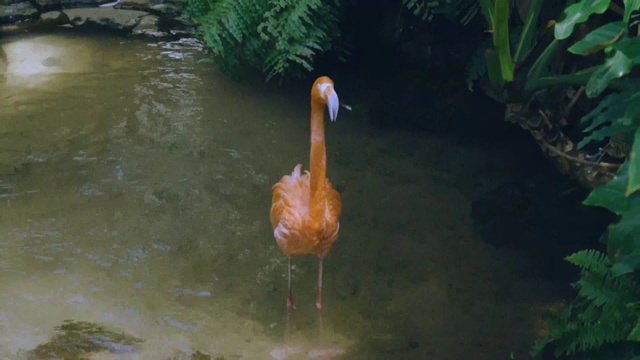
x: 78, y: 339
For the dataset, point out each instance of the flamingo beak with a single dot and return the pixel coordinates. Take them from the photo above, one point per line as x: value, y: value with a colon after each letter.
x: 333, y: 104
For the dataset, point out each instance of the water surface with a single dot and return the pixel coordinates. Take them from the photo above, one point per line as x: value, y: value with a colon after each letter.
x: 135, y: 189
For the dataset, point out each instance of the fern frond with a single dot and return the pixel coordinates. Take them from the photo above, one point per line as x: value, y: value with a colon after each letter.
x: 615, y: 113
x: 462, y: 11
x: 279, y: 37
x: 604, y: 311
x: 591, y: 260
x: 299, y: 30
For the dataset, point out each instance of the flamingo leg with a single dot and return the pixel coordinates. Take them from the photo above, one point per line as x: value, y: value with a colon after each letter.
x: 289, y: 298
x: 319, y: 299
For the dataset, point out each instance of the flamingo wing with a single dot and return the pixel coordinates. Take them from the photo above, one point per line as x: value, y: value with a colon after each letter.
x: 297, y: 228
x: 289, y: 209
x: 323, y: 223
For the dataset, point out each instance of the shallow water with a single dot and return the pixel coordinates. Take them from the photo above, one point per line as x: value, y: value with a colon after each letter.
x: 135, y: 189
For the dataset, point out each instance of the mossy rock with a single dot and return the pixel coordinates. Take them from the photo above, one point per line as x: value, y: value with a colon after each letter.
x: 76, y: 340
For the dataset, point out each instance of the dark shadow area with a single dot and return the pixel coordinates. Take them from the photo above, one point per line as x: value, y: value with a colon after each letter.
x: 410, y: 75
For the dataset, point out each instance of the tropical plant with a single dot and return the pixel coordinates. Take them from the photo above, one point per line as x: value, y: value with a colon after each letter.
x: 540, y: 65
x: 277, y: 37
x: 594, y: 50
x: 603, y: 322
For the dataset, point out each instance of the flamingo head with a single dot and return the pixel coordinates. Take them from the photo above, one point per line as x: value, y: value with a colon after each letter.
x: 323, y: 93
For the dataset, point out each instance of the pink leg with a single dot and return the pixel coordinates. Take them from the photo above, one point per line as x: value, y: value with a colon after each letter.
x: 289, y: 298
x: 319, y: 299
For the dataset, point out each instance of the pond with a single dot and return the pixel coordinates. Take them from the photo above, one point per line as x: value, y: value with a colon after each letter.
x: 135, y: 188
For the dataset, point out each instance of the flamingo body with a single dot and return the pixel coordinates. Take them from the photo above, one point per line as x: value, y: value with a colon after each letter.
x: 305, y: 207
x: 296, y: 232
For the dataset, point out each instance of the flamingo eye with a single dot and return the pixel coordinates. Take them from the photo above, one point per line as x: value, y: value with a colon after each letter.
x: 325, y: 88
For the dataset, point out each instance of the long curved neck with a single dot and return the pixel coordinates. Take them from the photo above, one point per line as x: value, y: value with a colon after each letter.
x: 318, y: 160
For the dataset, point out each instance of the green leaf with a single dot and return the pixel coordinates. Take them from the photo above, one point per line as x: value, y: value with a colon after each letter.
x: 614, y: 67
x: 536, y: 83
x: 606, y: 131
x: 626, y: 263
x: 616, y: 112
x: 623, y: 238
x: 589, y: 259
x: 612, y: 194
x: 493, y: 70
x: 487, y: 11
x: 541, y: 64
x: 599, y: 38
x: 630, y: 6
x: 634, y: 165
x: 578, y: 13
x: 501, y: 38
x: 634, y: 335
x: 529, y: 32
x: 278, y: 37
x: 630, y: 48
x: 607, y: 110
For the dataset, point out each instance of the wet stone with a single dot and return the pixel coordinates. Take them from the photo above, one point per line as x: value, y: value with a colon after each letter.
x: 119, y: 20
x: 53, y: 18
x: 148, y: 27
x: 17, y: 12
x: 76, y: 339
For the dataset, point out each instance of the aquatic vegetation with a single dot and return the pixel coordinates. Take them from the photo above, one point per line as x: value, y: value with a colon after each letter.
x: 76, y: 340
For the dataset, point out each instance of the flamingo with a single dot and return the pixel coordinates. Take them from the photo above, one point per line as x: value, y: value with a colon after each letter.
x: 305, y: 207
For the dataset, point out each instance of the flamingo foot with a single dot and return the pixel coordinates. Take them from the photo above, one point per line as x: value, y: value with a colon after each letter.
x: 289, y: 302
x: 289, y: 297
x: 319, y: 299
x: 283, y: 352
x: 324, y: 353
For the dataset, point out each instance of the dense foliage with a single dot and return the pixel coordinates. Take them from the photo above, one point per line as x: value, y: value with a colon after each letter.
x: 593, y: 50
x: 277, y: 37
x: 603, y: 321
x: 542, y: 54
